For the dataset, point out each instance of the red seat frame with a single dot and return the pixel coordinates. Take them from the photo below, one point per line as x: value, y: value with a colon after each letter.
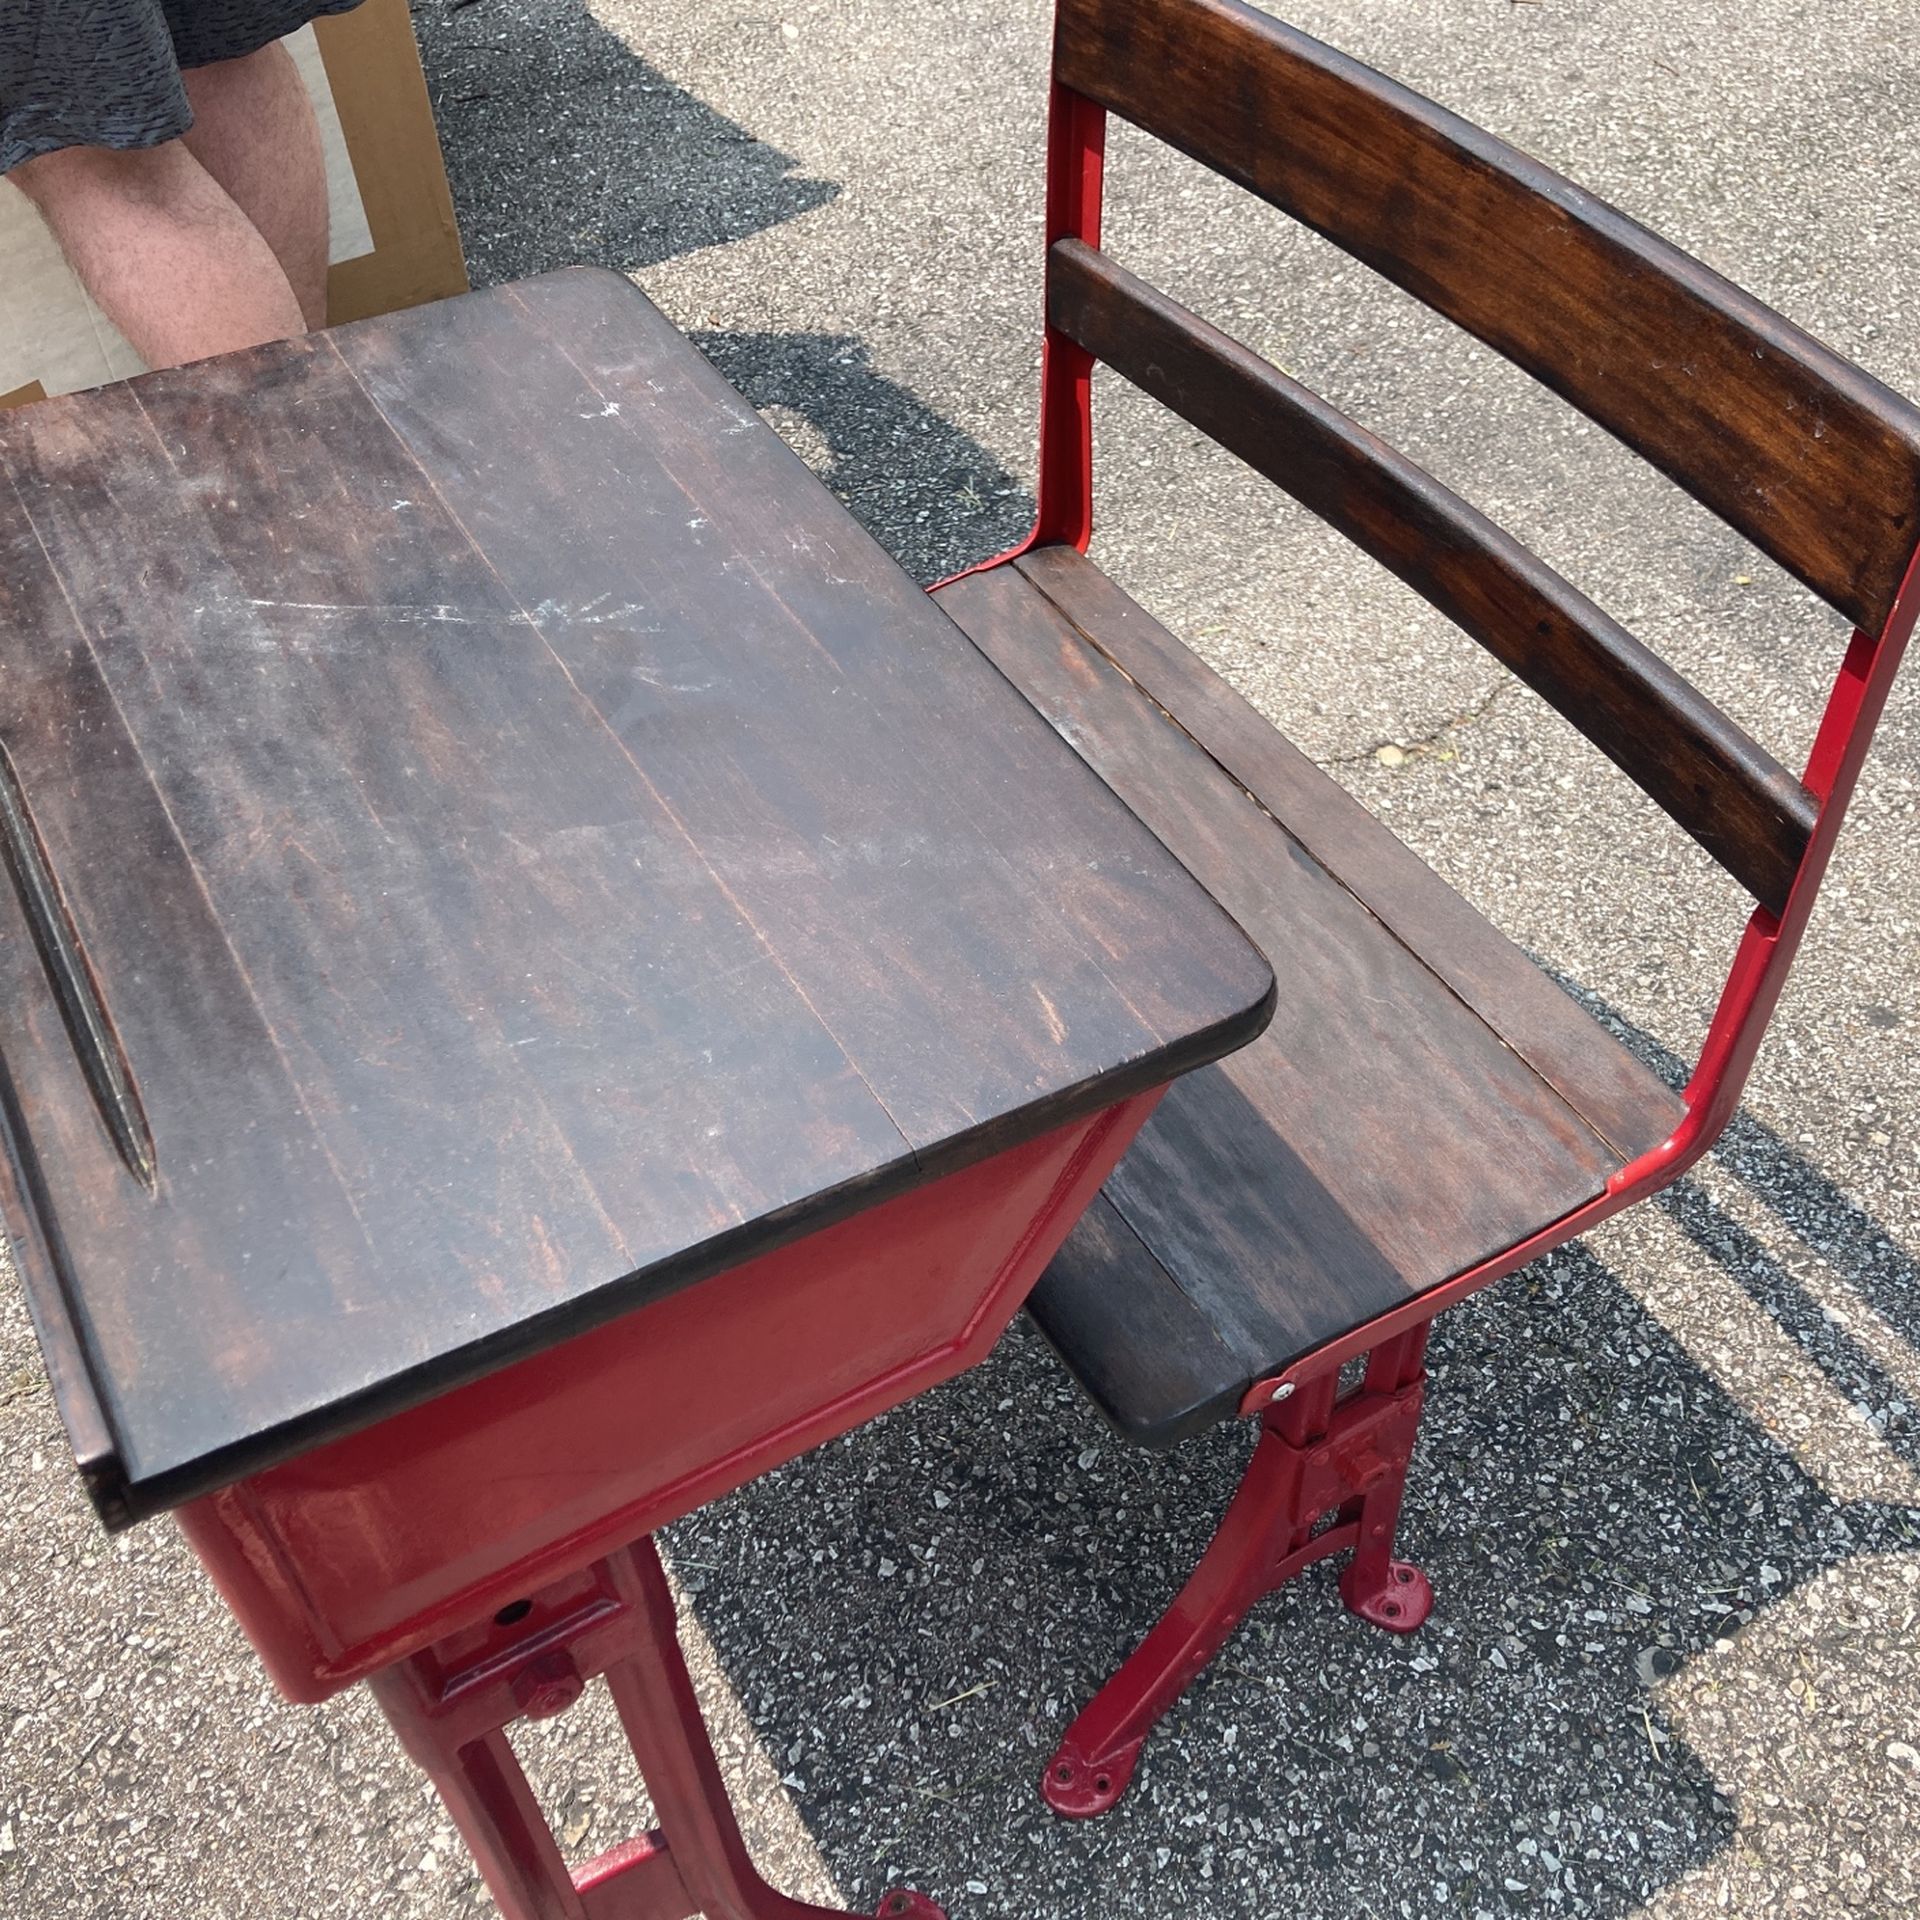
x: 1329, y: 1470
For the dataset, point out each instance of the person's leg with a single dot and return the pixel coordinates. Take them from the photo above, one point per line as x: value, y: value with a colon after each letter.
x: 156, y: 240
x: 254, y: 131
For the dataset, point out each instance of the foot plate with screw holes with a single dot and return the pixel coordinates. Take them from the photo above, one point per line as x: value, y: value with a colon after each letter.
x: 1399, y: 1606
x: 1078, y: 1789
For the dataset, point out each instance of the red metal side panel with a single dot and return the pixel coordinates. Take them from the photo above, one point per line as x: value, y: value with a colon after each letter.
x: 369, y: 1548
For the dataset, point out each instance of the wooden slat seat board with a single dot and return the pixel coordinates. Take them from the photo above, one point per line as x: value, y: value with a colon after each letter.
x: 1424, y: 1099
x: 527, y: 849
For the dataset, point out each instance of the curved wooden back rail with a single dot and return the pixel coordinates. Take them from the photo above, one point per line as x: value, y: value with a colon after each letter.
x: 1776, y: 434
x: 1802, y: 453
x: 1738, y: 801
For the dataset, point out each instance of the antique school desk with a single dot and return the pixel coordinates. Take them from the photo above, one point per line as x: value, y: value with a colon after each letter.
x: 540, y: 978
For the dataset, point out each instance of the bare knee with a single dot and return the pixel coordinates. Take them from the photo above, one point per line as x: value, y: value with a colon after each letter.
x: 47, y: 176
x: 71, y: 177
x: 266, y: 71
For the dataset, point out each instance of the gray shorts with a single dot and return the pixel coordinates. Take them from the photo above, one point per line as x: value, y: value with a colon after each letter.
x: 106, y: 73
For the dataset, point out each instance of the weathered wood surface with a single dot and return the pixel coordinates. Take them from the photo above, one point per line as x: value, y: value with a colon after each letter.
x: 522, y: 847
x: 1472, y: 957
x: 1424, y: 1099
x: 1733, y: 796
x: 1145, y: 1352
x: 1813, y: 460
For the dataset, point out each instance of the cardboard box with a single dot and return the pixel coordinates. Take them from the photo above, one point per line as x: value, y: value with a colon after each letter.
x: 395, y: 243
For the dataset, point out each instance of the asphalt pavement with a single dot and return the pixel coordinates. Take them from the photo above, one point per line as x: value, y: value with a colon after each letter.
x: 1669, y: 1489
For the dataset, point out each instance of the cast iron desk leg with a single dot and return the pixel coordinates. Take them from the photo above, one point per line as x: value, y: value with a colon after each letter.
x: 451, y: 1706
x: 1321, y: 1457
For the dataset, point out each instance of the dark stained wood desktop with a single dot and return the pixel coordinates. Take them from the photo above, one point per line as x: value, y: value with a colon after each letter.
x: 492, y: 841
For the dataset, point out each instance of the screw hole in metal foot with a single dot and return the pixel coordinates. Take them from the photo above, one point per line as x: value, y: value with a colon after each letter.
x: 1399, y: 1604
x: 903, y: 1902
x: 1077, y: 1788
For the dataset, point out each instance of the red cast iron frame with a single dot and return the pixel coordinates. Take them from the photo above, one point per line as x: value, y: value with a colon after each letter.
x: 469, y: 1558
x: 452, y: 1704
x: 1329, y: 1470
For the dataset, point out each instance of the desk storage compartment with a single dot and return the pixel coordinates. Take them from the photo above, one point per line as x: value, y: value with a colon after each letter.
x: 366, y: 1549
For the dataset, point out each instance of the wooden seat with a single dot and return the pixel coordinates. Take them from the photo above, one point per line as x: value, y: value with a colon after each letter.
x: 1424, y: 1098
x: 1428, y: 1111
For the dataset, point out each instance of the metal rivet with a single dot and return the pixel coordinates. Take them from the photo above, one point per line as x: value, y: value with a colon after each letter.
x: 547, y: 1686
x: 1284, y: 1391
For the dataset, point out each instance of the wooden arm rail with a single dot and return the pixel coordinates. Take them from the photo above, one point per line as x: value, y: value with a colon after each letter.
x: 1725, y: 789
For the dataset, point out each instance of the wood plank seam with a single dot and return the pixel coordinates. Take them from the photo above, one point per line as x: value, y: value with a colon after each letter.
x: 1090, y: 951
x: 189, y: 860
x: 1120, y: 1213
x: 680, y: 826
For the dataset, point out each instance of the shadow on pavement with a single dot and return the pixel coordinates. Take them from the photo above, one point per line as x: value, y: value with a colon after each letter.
x: 635, y: 171
x: 1881, y: 1277
x: 912, y: 1615
x: 564, y: 148
x: 931, y: 494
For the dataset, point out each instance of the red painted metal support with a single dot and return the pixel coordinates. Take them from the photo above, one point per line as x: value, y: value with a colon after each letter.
x: 1317, y: 1457
x: 1327, y: 1475
x: 1076, y: 158
x: 1387, y: 1592
x: 1747, y: 1000
x: 451, y: 1706
x: 1076, y: 151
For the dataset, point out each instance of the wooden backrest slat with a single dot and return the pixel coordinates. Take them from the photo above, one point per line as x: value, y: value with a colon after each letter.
x: 1745, y: 808
x: 1810, y: 458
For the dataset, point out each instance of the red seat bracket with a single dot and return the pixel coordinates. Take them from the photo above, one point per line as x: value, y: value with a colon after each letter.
x: 1327, y: 1476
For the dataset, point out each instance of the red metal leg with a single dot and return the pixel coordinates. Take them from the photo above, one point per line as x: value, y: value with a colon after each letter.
x: 1093, y: 1764
x: 451, y: 1705
x: 1389, y: 1593
x: 1317, y: 1455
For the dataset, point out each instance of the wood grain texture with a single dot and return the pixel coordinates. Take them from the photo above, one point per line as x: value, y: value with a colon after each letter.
x: 1476, y: 961
x: 1121, y: 1325
x: 1383, y: 1134
x: 1725, y: 789
x: 1812, y: 459
x: 532, y: 850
